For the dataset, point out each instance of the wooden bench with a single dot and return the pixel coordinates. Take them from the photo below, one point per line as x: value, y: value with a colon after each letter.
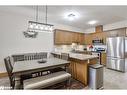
x: 47, y: 80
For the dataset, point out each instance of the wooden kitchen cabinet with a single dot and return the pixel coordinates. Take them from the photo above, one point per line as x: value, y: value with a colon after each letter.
x: 67, y: 37
x: 88, y: 39
x: 80, y: 74
x: 103, y: 35
x: 117, y: 32
x: 58, y: 37
x: 81, y: 38
x: 103, y: 58
x: 79, y: 69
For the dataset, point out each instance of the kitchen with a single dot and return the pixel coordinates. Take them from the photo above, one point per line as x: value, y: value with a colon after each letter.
x: 84, y: 46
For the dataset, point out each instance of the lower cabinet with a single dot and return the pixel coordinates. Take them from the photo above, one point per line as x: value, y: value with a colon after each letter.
x: 80, y: 73
x: 79, y: 69
x: 103, y: 58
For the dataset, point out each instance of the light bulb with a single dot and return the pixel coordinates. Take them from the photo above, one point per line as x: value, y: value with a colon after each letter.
x: 36, y: 27
x: 41, y: 27
x: 50, y: 28
x: 46, y: 28
x: 30, y: 25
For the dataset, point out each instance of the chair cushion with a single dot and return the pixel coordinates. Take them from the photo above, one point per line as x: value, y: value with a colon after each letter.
x: 47, y: 80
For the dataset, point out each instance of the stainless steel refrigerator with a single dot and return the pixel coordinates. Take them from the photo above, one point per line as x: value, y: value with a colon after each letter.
x: 117, y: 53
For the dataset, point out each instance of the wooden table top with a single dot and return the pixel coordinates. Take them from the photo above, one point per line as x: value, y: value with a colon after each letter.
x: 30, y: 65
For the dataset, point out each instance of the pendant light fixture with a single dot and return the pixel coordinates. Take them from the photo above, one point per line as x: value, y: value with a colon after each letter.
x: 34, y: 26
x: 31, y: 32
x: 41, y: 27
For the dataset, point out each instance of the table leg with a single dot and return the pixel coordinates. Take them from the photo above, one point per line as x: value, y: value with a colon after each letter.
x: 17, y: 82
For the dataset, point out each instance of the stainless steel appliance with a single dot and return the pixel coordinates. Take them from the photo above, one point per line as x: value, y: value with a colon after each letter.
x: 116, y: 53
x: 97, y: 41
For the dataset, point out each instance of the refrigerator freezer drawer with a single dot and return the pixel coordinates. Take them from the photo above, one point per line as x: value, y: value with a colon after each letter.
x: 116, y: 64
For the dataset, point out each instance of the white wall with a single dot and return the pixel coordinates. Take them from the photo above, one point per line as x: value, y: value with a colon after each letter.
x: 116, y: 25
x: 111, y: 26
x: 12, y: 40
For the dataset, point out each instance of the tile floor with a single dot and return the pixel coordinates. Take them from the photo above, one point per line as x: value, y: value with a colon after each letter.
x: 112, y: 80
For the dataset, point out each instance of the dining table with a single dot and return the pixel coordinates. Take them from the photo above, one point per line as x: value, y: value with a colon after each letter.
x: 32, y: 66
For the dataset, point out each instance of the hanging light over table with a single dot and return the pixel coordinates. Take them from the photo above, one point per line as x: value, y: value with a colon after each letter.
x: 34, y: 26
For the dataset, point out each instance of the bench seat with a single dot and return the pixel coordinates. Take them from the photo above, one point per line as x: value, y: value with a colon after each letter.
x: 47, y: 80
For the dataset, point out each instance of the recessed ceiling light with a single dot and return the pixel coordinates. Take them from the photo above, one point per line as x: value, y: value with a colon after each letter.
x: 92, y: 22
x: 71, y: 16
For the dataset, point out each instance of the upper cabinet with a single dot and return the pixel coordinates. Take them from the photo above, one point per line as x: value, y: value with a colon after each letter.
x: 117, y: 32
x: 103, y: 35
x: 88, y: 39
x: 67, y: 37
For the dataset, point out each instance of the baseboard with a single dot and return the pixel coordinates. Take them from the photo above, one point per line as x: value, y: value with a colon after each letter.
x: 3, y: 74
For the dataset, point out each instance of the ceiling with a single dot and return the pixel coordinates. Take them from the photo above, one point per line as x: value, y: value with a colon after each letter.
x: 56, y: 14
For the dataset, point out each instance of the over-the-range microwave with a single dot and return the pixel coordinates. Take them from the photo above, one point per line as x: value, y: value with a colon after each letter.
x: 97, y: 41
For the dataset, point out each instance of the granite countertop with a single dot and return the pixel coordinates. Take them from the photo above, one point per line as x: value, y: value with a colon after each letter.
x: 82, y: 56
x: 78, y: 56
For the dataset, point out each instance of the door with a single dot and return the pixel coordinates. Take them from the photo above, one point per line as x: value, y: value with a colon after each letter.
x: 116, y: 64
x: 115, y: 47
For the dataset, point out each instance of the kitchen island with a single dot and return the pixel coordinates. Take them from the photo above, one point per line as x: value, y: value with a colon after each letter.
x: 79, y: 64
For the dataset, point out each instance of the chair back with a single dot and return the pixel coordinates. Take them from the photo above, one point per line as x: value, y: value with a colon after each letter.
x: 9, y: 69
x: 35, y: 56
x: 42, y: 55
x: 29, y: 56
x: 12, y: 61
x: 65, y: 56
x: 19, y: 57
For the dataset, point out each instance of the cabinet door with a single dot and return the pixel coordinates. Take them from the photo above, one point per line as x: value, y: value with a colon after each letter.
x: 67, y: 37
x: 88, y: 39
x: 81, y: 74
x: 62, y: 37
x: 72, y: 69
x: 81, y: 39
x: 103, y: 58
x: 58, y: 37
x: 73, y: 37
x: 117, y: 32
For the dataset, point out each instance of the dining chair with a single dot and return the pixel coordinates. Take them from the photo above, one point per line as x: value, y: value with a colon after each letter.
x: 42, y: 55
x: 12, y: 61
x: 64, y: 56
x: 19, y: 57
x: 30, y: 56
x: 9, y: 69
